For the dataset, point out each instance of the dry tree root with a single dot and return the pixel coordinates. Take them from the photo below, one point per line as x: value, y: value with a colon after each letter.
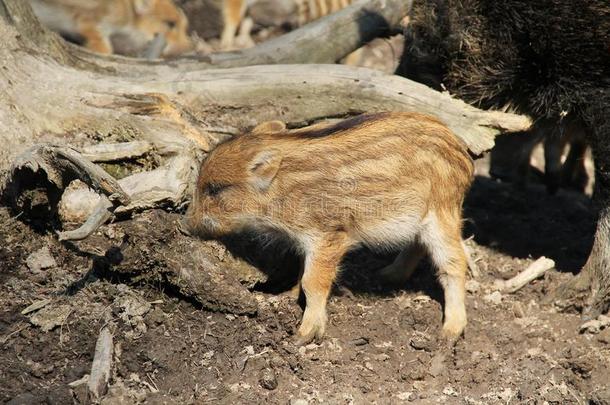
x: 60, y: 166
x: 154, y: 251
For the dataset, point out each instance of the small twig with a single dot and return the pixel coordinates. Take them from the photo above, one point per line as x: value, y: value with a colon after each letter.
x: 35, y: 306
x: 533, y: 271
x: 153, y: 387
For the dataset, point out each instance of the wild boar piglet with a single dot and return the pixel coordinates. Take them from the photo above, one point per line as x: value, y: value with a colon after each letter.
x: 389, y: 181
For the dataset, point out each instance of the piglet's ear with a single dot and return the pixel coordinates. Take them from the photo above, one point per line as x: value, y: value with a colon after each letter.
x: 264, y: 167
x: 269, y: 127
x: 142, y: 6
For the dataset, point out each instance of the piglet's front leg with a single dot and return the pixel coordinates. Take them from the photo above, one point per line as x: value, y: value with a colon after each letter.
x: 321, y: 264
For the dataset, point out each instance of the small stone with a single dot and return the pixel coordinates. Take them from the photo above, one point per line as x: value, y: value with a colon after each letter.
x: 268, y: 380
x: 35, y: 368
x: 299, y: 401
x: 494, y: 298
x: 361, y: 341
x: 594, y: 326
x: 155, y: 317
x: 132, y: 305
x: 405, y: 396
x: 422, y: 341
x: 473, y: 286
x: 437, y: 365
x: 506, y: 395
x: 49, y: 318
x: 382, y: 357
x: 311, y: 346
x: 40, y: 260
x: 534, y: 351
x: 417, y: 374
x: 518, y: 310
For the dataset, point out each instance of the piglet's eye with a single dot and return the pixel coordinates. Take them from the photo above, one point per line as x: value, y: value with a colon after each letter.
x: 170, y: 24
x: 213, y: 189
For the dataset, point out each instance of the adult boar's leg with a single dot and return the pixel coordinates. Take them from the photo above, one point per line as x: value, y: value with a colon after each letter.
x: 321, y: 263
x: 594, y: 279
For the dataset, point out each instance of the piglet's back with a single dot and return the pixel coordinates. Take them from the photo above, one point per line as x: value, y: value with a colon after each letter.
x: 377, y: 152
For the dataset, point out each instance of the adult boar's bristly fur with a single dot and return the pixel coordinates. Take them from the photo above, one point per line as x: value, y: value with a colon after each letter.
x: 546, y: 58
x: 389, y: 180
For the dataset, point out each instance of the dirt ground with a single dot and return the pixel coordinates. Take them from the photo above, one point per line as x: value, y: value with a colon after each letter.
x: 381, y: 345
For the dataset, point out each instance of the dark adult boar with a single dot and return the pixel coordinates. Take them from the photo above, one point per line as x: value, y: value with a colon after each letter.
x: 549, y: 59
x: 386, y: 180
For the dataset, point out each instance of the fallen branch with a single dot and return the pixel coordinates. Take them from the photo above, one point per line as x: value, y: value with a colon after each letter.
x: 533, y: 271
x: 325, y: 40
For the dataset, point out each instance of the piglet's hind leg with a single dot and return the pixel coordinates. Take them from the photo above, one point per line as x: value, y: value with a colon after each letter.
x: 442, y: 238
x: 401, y: 269
x: 321, y: 265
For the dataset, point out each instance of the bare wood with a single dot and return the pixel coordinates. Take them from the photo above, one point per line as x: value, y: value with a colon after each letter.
x: 109, y: 152
x: 326, y: 40
x: 532, y: 272
x: 102, y: 364
x: 101, y: 213
x: 61, y: 165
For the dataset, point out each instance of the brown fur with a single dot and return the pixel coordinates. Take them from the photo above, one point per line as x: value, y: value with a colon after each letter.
x: 137, y: 21
x: 385, y: 180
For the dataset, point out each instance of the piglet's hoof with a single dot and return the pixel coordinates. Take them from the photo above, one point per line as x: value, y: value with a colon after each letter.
x: 307, y: 335
x: 302, y: 340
